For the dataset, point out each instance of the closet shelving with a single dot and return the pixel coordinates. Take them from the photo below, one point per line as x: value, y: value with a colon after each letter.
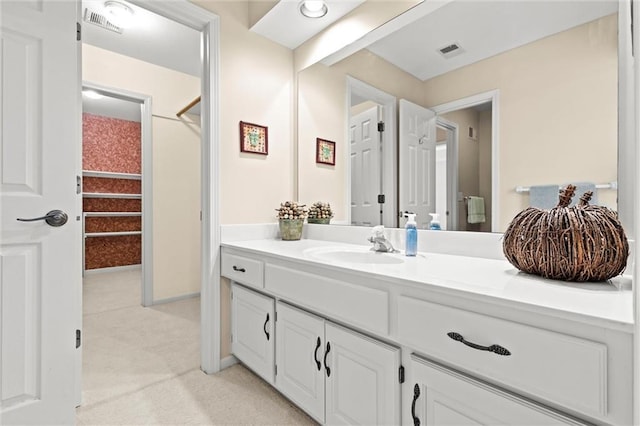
x: 110, y: 195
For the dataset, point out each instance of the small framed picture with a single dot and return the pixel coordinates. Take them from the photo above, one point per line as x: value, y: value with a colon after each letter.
x: 254, y: 138
x: 325, y: 152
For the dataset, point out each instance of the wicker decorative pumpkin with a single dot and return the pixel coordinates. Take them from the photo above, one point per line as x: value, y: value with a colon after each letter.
x: 580, y: 243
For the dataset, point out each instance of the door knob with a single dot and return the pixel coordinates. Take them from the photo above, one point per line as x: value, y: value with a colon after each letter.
x: 53, y: 218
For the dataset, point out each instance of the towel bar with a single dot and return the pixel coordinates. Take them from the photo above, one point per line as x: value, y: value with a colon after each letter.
x: 610, y: 185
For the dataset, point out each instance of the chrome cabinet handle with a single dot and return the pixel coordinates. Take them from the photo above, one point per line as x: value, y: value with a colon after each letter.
x: 53, y: 218
x: 235, y: 268
x: 497, y: 349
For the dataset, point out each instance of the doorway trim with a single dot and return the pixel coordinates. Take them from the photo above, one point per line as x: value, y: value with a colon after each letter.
x: 492, y: 96
x: 452, y: 170
x: 389, y: 148
x: 208, y: 24
x: 146, y: 141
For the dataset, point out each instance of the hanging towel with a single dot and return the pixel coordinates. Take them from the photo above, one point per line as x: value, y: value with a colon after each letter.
x: 544, y: 196
x: 581, y: 188
x: 475, y: 210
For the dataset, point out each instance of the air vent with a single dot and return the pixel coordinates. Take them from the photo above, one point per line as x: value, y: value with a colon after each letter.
x: 95, y: 18
x: 450, y: 50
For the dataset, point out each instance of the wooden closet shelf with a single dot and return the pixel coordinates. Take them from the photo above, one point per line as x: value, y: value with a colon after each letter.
x: 112, y: 214
x: 111, y: 234
x: 111, y: 175
x: 112, y: 195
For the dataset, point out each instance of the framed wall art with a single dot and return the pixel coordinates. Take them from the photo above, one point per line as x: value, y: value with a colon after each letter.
x: 325, y: 152
x: 254, y: 138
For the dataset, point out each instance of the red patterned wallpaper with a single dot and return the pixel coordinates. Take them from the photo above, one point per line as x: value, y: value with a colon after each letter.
x: 113, y: 186
x: 110, y: 145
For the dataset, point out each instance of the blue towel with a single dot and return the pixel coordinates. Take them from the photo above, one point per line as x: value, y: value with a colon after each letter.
x: 544, y: 196
x: 581, y: 188
x: 475, y: 210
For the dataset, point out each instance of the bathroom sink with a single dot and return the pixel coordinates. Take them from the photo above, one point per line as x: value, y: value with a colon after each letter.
x: 364, y: 256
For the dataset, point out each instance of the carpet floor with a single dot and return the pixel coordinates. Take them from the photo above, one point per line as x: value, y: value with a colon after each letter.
x: 141, y: 366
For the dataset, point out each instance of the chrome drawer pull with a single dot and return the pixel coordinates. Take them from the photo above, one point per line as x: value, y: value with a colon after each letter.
x: 497, y: 349
x: 235, y: 268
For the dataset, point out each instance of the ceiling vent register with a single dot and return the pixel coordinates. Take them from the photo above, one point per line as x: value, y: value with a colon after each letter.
x: 101, y: 21
x: 451, y: 50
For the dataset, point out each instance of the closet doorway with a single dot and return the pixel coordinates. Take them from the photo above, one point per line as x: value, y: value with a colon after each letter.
x: 117, y: 184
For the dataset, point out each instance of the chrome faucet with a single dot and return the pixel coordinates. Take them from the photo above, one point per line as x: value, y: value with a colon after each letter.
x: 380, y: 242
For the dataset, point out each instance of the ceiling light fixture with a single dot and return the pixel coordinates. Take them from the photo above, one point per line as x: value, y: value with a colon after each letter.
x: 118, y: 13
x: 313, y: 8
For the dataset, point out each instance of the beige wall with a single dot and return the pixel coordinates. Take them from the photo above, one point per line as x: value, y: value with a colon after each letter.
x: 322, y: 112
x: 256, y: 82
x: 176, y: 164
x: 558, y: 102
x: 468, y: 164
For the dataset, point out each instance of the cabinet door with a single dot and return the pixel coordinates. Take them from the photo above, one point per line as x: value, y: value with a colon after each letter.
x: 252, y: 339
x: 444, y: 397
x: 361, y: 378
x: 299, y: 351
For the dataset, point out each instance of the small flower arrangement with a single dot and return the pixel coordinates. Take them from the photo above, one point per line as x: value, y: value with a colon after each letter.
x: 291, y: 210
x: 291, y: 216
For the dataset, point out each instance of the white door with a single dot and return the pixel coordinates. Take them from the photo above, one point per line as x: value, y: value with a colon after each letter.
x: 252, y: 337
x: 417, y: 177
x: 299, y: 357
x: 442, y: 397
x: 362, y: 386
x: 40, y: 269
x: 365, y: 168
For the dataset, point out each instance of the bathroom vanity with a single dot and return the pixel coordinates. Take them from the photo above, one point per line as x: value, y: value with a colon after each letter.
x: 357, y: 337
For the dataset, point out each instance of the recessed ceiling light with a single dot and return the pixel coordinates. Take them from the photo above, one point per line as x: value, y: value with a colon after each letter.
x: 118, y: 13
x: 313, y: 8
x: 92, y: 94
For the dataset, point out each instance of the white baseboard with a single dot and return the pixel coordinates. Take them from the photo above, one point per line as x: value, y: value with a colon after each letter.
x: 175, y: 299
x: 112, y: 269
x: 228, y: 362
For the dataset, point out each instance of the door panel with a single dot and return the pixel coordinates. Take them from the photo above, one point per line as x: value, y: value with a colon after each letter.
x: 365, y: 168
x: 299, y: 351
x: 253, y: 316
x: 40, y: 267
x: 417, y: 179
x: 362, y: 384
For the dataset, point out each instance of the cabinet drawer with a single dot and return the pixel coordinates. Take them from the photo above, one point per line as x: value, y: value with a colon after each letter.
x: 358, y: 305
x: 559, y: 368
x: 242, y: 269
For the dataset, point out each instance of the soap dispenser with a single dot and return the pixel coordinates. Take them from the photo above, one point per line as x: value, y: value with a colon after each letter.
x: 411, y: 230
x: 435, y: 223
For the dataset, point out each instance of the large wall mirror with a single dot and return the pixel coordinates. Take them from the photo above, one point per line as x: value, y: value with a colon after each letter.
x: 480, y: 100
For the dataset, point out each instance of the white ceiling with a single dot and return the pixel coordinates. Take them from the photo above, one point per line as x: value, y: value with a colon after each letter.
x: 152, y: 38
x: 285, y: 25
x: 483, y: 29
x: 112, y: 107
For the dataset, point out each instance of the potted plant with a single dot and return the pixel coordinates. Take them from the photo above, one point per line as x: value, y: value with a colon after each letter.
x: 291, y: 216
x: 320, y: 212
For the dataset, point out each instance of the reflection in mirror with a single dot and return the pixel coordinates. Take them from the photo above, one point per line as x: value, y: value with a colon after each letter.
x: 551, y: 70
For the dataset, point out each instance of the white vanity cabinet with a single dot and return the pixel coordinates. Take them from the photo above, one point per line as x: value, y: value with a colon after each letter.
x: 252, y: 325
x: 441, y: 396
x: 335, y: 374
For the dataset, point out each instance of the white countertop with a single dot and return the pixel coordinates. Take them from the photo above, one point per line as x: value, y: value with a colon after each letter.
x: 607, y: 304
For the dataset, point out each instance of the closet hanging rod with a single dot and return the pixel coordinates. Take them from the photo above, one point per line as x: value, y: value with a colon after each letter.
x: 189, y: 106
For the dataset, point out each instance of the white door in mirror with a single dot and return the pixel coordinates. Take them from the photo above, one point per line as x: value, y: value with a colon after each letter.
x: 366, y: 175
x: 417, y: 172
